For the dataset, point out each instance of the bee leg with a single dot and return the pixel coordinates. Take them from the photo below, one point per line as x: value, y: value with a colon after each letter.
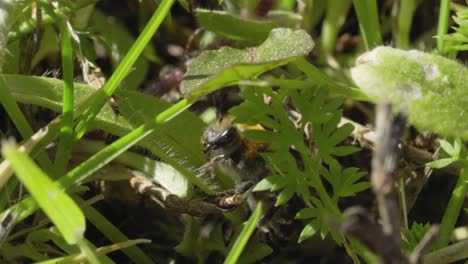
x: 243, y: 187
x: 194, y: 206
x: 272, y: 228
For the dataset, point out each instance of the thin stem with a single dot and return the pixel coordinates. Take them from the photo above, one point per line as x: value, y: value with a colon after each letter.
x: 66, y: 131
x: 18, y: 118
x: 124, y: 67
x: 404, y: 20
x: 442, y: 27
x: 369, y: 25
x: 336, y: 15
x: 453, y: 209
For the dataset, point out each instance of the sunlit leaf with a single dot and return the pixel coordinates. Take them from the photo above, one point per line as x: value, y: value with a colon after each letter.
x: 225, y: 67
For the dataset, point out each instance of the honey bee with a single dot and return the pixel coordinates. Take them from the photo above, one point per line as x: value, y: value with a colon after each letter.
x: 240, y: 157
x: 236, y: 155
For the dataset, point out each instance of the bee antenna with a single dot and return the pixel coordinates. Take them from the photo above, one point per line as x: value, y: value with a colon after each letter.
x: 219, y: 115
x: 219, y: 98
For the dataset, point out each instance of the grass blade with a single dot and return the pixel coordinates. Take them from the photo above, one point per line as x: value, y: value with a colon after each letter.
x: 124, y: 67
x: 58, y: 206
x: 66, y: 131
x: 244, y: 236
x: 369, y: 25
x: 442, y: 26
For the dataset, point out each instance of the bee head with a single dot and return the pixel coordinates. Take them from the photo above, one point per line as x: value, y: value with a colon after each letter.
x: 221, y: 136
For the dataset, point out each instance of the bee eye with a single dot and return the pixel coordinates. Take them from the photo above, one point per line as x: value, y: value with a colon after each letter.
x: 226, y: 137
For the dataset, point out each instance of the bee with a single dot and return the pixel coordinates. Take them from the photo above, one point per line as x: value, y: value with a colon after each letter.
x: 240, y: 157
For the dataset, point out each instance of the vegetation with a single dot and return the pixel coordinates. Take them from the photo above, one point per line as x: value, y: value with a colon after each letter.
x: 104, y: 104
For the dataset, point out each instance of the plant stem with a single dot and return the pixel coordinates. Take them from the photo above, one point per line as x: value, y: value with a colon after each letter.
x: 124, y: 67
x: 66, y: 131
x: 442, y: 27
x: 113, y: 150
x: 29, y: 25
x: 18, y: 118
x: 404, y: 20
x: 336, y: 14
x: 453, y: 209
x: 369, y: 25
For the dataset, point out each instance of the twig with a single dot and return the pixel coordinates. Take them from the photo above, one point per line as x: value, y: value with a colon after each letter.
x: 448, y: 254
x: 384, y: 239
x: 383, y: 166
x: 367, y: 137
x: 428, y: 240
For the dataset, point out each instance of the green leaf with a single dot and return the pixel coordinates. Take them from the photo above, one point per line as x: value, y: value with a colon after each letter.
x: 432, y: 88
x: 224, y: 67
x: 342, y: 151
x: 441, y: 163
x: 307, y: 213
x: 266, y: 183
x: 58, y: 206
x: 234, y: 27
x: 309, y: 230
x: 170, y: 142
x: 447, y: 147
x: 285, y: 195
x: 413, y: 236
x: 355, y: 188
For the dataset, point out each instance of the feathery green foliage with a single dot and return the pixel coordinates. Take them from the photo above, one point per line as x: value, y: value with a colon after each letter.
x: 317, y: 154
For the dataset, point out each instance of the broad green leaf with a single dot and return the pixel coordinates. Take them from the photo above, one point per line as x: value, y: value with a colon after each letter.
x: 285, y: 18
x: 432, y: 88
x: 170, y: 142
x: 58, y: 206
x: 234, y: 27
x: 225, y: 67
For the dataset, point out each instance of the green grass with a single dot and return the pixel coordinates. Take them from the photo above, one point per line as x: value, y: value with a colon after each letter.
x: 282, y: 74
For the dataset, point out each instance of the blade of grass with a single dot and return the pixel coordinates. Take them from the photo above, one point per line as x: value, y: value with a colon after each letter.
x: 404, y: 22
x: 78, y: 258
x: 58, y: 206
x: 88, y: 252
x: 317, y: 78
x: 336, y: 14
x: 123, y: 68
x: 5, y: 167
x: 114, y: 234
x: 66, y: 131
x: 244, y: 236
x: 19, y: 120
x: 109, y: 153
x: 442, y: 26
x: 28, y: 206
x: 369, y: 25
x: 454, y: 208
